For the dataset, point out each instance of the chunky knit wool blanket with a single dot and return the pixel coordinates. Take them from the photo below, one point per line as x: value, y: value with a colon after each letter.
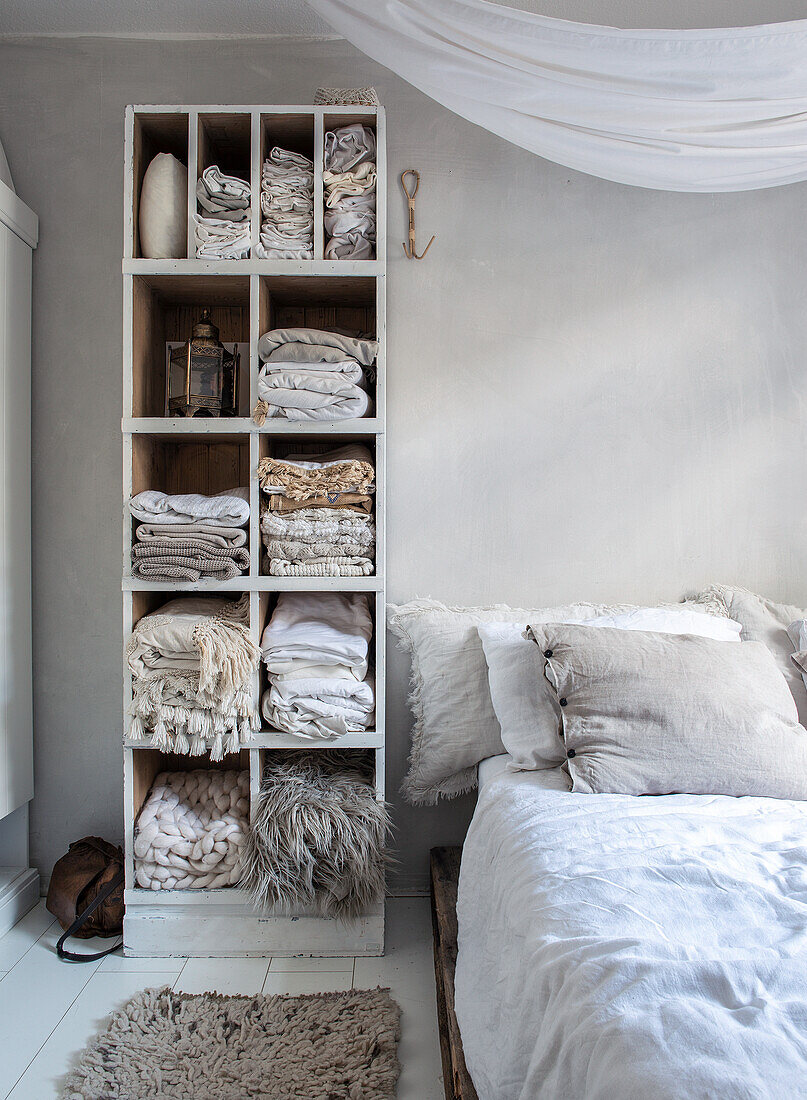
x: 318, y: 838
x: 193, y: 663
x: 191, y: 831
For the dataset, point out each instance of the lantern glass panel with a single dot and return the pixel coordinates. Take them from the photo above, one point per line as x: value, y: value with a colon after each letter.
x: 206, y: 375
x: 179, y: 373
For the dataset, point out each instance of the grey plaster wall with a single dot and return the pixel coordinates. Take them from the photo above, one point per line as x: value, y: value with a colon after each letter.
x: 594, y: 391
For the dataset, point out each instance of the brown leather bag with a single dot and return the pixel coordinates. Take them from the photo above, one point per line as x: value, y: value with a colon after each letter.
x: 86, y: 894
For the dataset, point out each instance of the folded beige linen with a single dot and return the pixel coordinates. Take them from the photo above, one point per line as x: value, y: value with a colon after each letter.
x: 347, y: 469
x: 225, y: 537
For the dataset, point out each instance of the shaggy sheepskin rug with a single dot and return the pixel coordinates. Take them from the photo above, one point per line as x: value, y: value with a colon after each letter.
x: 318, y: 838
x: 182, y: 1046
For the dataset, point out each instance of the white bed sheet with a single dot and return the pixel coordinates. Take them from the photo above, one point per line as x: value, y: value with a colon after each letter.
x: 620, y: 947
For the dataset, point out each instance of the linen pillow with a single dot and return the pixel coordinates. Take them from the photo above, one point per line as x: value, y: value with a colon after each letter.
x: 762, y: 621
x: 164, y: 209
x: 454, y: 723
x: 797, y: 632
x: 650, y: 713
x: 527, y: 711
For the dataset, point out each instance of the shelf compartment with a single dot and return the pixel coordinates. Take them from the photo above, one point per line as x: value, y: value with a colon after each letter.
x: 333, y: 119
x: 207, y: 465
x: 153, y: 133
x: 223, y: 139
x: 164, y: 309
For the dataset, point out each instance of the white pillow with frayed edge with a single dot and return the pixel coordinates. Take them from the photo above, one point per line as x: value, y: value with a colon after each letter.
x: 164, y: 209
x: 455, y: 725
x: 525, y: 707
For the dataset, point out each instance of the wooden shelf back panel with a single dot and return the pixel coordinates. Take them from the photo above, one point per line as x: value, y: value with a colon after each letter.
x: 189, y: 466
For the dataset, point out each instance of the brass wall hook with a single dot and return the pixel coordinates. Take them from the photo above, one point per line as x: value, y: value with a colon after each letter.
x: 409, y: 250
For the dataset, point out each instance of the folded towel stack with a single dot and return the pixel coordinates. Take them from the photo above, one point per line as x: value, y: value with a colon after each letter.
x: 315, y: 648
x: 192, y: 662
x: 287, y: 206
x: 317, y: 521
x: 311, y: 374
x: 188, y: 537
x: 350, y: 193
x: 223, y: 231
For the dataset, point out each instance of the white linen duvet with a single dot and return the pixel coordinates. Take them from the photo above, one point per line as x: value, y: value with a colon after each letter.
x: 614, y: 947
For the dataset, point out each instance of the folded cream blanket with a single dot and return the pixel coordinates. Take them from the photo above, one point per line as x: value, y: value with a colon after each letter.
x: 192, y: 663
x: 222, y: 238
x: 347, y: 469
x: 317, y: 542
x: 334, y: 566
x: 187, y: 560
x: 287, y: 206
x: 351, y: 347
x: 319, y: 708
x: 295, y: 393
x: 228, y: 538
x: 192, y: 829
x: 322, y: 629
x: 227, y: 509
x: 350, y: 180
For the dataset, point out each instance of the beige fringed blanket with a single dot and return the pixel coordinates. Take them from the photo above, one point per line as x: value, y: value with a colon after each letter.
x: 192, y: 664
x: 187, y: 560
x: 347, y: 469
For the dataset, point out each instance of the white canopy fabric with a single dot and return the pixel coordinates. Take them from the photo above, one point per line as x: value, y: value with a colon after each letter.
x: 704, y: 110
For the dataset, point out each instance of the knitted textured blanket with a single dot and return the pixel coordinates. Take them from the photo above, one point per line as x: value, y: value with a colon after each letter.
x: 191, y: 831
x: 192, y: 663
x: 310, y: 527
x: 187, y: 559
x: 321, y: 567
x: 347, y: 469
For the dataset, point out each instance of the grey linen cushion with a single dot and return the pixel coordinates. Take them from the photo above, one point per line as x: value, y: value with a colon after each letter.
x: 646, y: 713
x: 762, y: 621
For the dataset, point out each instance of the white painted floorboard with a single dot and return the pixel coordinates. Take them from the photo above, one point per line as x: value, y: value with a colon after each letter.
x: 50, y: 1010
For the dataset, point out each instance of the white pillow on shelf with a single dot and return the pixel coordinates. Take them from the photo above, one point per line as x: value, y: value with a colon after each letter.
x: 164, y: 209
x: 526, y: 709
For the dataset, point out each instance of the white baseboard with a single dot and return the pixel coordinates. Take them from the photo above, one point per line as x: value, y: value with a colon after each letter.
x: 19, y: 892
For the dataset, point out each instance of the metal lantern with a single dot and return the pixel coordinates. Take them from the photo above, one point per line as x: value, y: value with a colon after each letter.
x: 203, y: 375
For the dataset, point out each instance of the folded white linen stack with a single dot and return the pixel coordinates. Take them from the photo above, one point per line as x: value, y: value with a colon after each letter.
x: 349, y: 179
x: 223, y: 231
x: 331, y: 532
x: 287, y: 206
x: 315, y: 648
x: 311, y: 374
x: 189, y: 537
x: 192, y: 663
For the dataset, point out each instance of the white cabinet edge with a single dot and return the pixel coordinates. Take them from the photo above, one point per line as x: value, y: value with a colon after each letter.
x: 19, y: 218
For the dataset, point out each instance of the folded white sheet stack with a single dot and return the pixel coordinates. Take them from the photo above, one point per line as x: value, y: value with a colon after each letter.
x: 189, y: 537
x: 223, y: 229
x: 349, y: 179
x: 318, y: 538
x: 315, y: 648
x: 287, y: 207
x: 311, y: 374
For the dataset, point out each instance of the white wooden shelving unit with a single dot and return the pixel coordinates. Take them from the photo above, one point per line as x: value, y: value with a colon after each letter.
x: 162, y: 300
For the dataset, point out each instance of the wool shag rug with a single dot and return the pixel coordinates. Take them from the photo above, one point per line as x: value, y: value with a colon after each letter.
x: 181, y: 1046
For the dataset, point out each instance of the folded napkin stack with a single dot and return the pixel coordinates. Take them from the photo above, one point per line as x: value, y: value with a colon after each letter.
x: 192, y: 663
x: 315, y: 648
x: 316, y: 521
x: 223, y: 230
x: 188, y: 537
x: 287, y: 207
x: 349, y: 179
x: 311, y: 374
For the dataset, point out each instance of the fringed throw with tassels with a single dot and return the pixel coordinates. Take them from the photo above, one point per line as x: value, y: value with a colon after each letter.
x: 193, y: 662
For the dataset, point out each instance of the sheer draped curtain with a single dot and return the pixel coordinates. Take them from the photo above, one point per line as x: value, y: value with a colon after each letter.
x: 704, y: 110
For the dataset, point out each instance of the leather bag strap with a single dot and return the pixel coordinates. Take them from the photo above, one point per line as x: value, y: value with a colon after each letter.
x: 101, y: 896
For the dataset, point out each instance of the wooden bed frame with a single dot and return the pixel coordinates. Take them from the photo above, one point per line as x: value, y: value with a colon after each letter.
x: 445, y: 873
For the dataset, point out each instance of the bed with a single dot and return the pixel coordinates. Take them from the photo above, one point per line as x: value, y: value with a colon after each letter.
x: 615, y: 946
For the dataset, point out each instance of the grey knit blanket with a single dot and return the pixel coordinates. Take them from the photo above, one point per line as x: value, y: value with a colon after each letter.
x: 187, y: 560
